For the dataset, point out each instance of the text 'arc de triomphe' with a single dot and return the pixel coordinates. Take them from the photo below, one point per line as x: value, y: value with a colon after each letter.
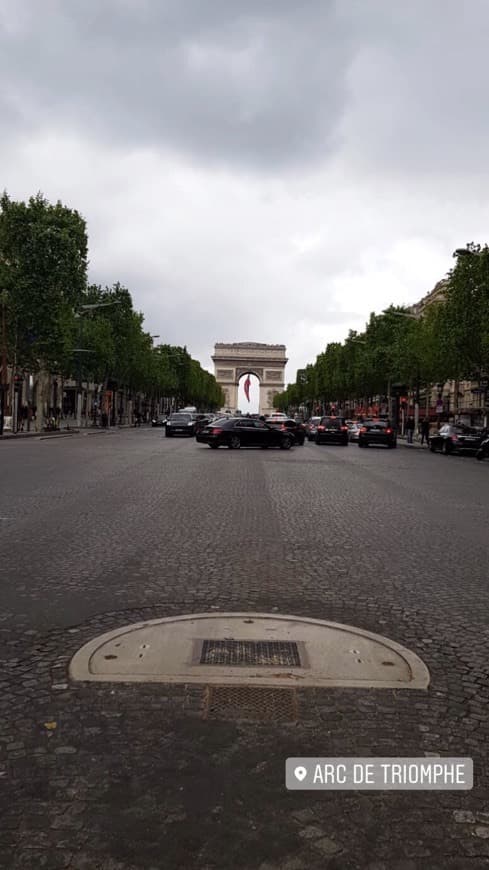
x: 266, y: 361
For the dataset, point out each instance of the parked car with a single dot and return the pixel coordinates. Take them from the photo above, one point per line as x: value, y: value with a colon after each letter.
x: 159, y: 420
x: 483, y: 451
x: 354, y: 431
x: 244, y: 432
x: 332, y: 430
x: 456, y: 439
x: 289, y: 425
x: 377, y: 432
x: 180, y: 424
x: 311, y: 427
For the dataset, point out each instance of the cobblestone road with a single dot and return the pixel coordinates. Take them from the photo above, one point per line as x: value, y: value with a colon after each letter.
x: 98, y: 531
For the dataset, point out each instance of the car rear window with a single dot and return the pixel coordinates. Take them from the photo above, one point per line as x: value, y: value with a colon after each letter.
x: 332, y: 422
x: 380, y: 424
x: 180, y: 418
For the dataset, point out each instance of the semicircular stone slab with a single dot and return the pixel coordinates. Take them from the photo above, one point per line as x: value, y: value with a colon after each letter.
x: 248, y: 648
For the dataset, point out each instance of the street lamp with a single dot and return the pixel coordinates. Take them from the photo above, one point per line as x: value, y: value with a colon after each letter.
x: 409, y: 315
x: 466, y: 252
x: 85, y: 309
x: 4, y: 375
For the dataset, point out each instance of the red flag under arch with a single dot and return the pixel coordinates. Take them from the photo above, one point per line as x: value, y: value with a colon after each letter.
x: 247, y: 385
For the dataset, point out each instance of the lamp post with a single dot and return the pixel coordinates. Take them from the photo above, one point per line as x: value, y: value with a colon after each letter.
x: 4, y: 375
x: 409, y: 316
x: 152, y: 337
x: 358, y: 340
x: 85, y: 309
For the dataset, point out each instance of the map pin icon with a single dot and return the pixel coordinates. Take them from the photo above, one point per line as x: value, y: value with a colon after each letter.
x: 300, y: 773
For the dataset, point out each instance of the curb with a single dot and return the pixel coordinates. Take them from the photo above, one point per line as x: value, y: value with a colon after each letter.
x: 21, y: 436
x: 415, y: 444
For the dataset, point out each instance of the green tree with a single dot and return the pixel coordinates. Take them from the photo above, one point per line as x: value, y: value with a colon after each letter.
x: 466, y: 313
x: 43, y: 265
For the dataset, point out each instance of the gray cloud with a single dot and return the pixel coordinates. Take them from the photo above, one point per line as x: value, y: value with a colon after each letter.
x: 226, y: 82
x: 270, y: 171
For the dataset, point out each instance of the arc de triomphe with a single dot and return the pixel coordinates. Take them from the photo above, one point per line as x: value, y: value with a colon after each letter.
x: 266, y: 361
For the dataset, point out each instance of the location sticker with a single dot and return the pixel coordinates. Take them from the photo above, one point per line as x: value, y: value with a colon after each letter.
x: 380, y: 774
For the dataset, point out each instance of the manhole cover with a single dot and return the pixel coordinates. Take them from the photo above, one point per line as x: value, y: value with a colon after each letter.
x: 257, y: 649
x: 249, y: 703
x: 272, y: 653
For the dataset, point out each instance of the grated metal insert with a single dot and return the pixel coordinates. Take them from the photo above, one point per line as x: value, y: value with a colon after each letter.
x: 250, y: 703
x: 264, y: 653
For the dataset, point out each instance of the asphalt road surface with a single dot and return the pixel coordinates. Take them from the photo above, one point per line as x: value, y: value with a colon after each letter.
x: 99, y: 531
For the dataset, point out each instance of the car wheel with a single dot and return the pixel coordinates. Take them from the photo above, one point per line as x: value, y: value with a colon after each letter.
x: 286, y: 443
x: 432, y: 447
x: 213, y: 446
x: 479, y: 455
x: 235, y: 442
x: 445, y: 449
x: 168, y: 434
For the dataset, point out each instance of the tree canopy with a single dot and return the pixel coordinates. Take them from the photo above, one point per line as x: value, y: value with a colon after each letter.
x: 449, y: 340
x: 51, y: 326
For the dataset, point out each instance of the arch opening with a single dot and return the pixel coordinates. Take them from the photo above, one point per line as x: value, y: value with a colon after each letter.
x: 248, y: 393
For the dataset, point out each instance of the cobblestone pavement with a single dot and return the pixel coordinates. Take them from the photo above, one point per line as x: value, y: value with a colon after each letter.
x: 98, y: 532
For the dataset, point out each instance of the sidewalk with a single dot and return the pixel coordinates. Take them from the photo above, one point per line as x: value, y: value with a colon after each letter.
x: 33, y: 434
x: 401, y: 439
x: 65, y: 431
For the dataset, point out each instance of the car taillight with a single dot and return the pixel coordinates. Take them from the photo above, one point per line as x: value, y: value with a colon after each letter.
x: 283, y: 427
x: 320, y: 428
x: 454, y: 437
x: 363, y: 429
x: 344, y: 428
x: 216, y: 431
x: 388, y: 431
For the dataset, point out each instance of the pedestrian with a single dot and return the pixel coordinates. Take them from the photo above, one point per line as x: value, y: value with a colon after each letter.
x: 410, y: 430
x: 425, y: 431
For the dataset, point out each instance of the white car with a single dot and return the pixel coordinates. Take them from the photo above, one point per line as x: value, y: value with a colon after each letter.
x: 353, y: 431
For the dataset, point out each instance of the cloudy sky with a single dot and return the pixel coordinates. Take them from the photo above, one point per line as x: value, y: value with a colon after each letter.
x: 264, y: 170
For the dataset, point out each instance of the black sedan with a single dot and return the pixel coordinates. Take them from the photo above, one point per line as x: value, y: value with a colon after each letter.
x: 180, y: 424
x: 239, y: 432
x: 296, y: 428
x: 377, y: 432
x: 159, y: 420
x: 457, y: 439
x: 332, y: 430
